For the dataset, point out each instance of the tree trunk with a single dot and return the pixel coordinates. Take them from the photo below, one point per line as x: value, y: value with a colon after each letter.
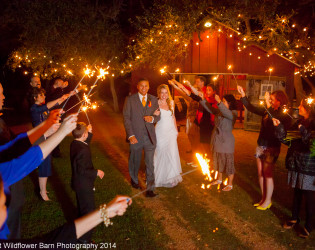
x: 310, y: 84
x: 114, y: 94
x: 248, y: 28
x: 298, y: 88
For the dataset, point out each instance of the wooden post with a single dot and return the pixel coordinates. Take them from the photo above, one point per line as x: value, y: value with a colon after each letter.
x: 114, y: 94
x: 298, y: 88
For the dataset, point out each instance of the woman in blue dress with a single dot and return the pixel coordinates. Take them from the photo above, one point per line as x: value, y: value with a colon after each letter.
x: 39, y: 113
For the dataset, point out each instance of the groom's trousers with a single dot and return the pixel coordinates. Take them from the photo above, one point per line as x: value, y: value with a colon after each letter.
x: 135, y: 160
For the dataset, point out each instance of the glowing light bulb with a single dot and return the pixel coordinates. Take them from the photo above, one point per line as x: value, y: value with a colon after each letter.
x: 208, y: 24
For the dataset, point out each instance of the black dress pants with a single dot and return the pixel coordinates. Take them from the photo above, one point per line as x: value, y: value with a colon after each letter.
x: 16, y: 201
x: 86, y: 204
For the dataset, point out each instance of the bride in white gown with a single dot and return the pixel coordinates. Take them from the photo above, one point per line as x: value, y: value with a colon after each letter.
x: 167, y: 166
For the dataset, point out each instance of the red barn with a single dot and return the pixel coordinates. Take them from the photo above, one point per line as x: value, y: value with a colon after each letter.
x: 210, y: 54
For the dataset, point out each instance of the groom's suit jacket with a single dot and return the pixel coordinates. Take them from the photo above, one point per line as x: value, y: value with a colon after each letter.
x: 133, y: 114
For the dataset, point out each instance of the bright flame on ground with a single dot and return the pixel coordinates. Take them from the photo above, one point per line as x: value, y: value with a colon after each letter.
x: 261, y: 103
x: 204, y: 166
x: 225, y: 182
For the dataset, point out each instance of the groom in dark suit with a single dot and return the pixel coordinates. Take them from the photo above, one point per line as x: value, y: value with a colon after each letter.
x: 139, y: 123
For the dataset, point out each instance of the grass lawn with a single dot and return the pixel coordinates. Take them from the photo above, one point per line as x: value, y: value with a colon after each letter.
x: 135, y: 230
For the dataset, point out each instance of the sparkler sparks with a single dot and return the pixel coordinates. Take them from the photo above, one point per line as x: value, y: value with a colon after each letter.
x: 230, y: 67
x: 285, y: 111
x: 309, y: 100
x: 270, y: 70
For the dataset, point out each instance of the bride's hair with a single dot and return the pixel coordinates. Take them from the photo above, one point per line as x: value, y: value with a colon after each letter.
x: 169, y: 99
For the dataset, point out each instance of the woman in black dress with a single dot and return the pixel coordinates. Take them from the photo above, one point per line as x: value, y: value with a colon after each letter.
x: 300, y: 162
x: 268, y: 148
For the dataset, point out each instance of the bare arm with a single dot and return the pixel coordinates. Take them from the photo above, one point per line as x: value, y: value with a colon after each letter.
x: 35, y: 133
x: 85, y: 223
x: 59, y: 101
x: 66, y: 127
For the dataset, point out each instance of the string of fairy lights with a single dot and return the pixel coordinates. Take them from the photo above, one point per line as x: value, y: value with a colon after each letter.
x: 24, y: 59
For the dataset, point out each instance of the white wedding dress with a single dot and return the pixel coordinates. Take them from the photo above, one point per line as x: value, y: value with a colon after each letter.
x: 167, y: 166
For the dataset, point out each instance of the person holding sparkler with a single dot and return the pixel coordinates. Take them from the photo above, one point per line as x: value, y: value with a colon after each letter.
x: 83, y: 171
x: 39, y: 113
x: 222, y: 138
x: 268, y: 148
x: 204, y: 120
x: 300, y: 162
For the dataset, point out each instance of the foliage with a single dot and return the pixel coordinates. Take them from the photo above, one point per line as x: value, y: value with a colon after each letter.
x: 164, y: 33
x: 268, y: 24
x: 61, y: 37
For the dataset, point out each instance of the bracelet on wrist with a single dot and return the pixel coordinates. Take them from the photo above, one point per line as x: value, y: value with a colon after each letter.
x: 104, y: 215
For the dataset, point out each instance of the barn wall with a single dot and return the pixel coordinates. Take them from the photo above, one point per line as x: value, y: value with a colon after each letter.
x: 216, y: 51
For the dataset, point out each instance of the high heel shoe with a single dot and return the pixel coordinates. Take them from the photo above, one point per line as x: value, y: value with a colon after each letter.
x: 290, y: 224
x: 216, y: 182
x: 264, y: 208
x: 44, y: 196
x: 304, y: 234
x: 256, y: 204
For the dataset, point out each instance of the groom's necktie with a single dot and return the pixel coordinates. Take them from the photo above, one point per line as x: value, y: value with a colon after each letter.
x: 143, y: 101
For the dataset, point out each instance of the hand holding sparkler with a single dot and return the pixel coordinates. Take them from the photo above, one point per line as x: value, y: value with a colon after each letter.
x: 52, y: 130
x: 267, y: 99
x: 193, y: 89
x: 54, y: 116
x: 241, y: 90
x: 100, y: 174
x: 69, y: 123
x: 217, y: 98
x: 89, y: 128
x: 276, y: 122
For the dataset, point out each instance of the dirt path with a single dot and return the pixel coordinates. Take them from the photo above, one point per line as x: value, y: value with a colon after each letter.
x: 109, y: 132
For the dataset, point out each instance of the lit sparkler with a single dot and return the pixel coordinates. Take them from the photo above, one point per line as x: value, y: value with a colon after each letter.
x: 309, y: 100
x: 270, y: 70
x: 166, y: 73
x: 285, y: 111
x: 230, y: 67
x: 263, y: 104
x: 102, y: 73
x: 188, y: 172
x: 87, y: 72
